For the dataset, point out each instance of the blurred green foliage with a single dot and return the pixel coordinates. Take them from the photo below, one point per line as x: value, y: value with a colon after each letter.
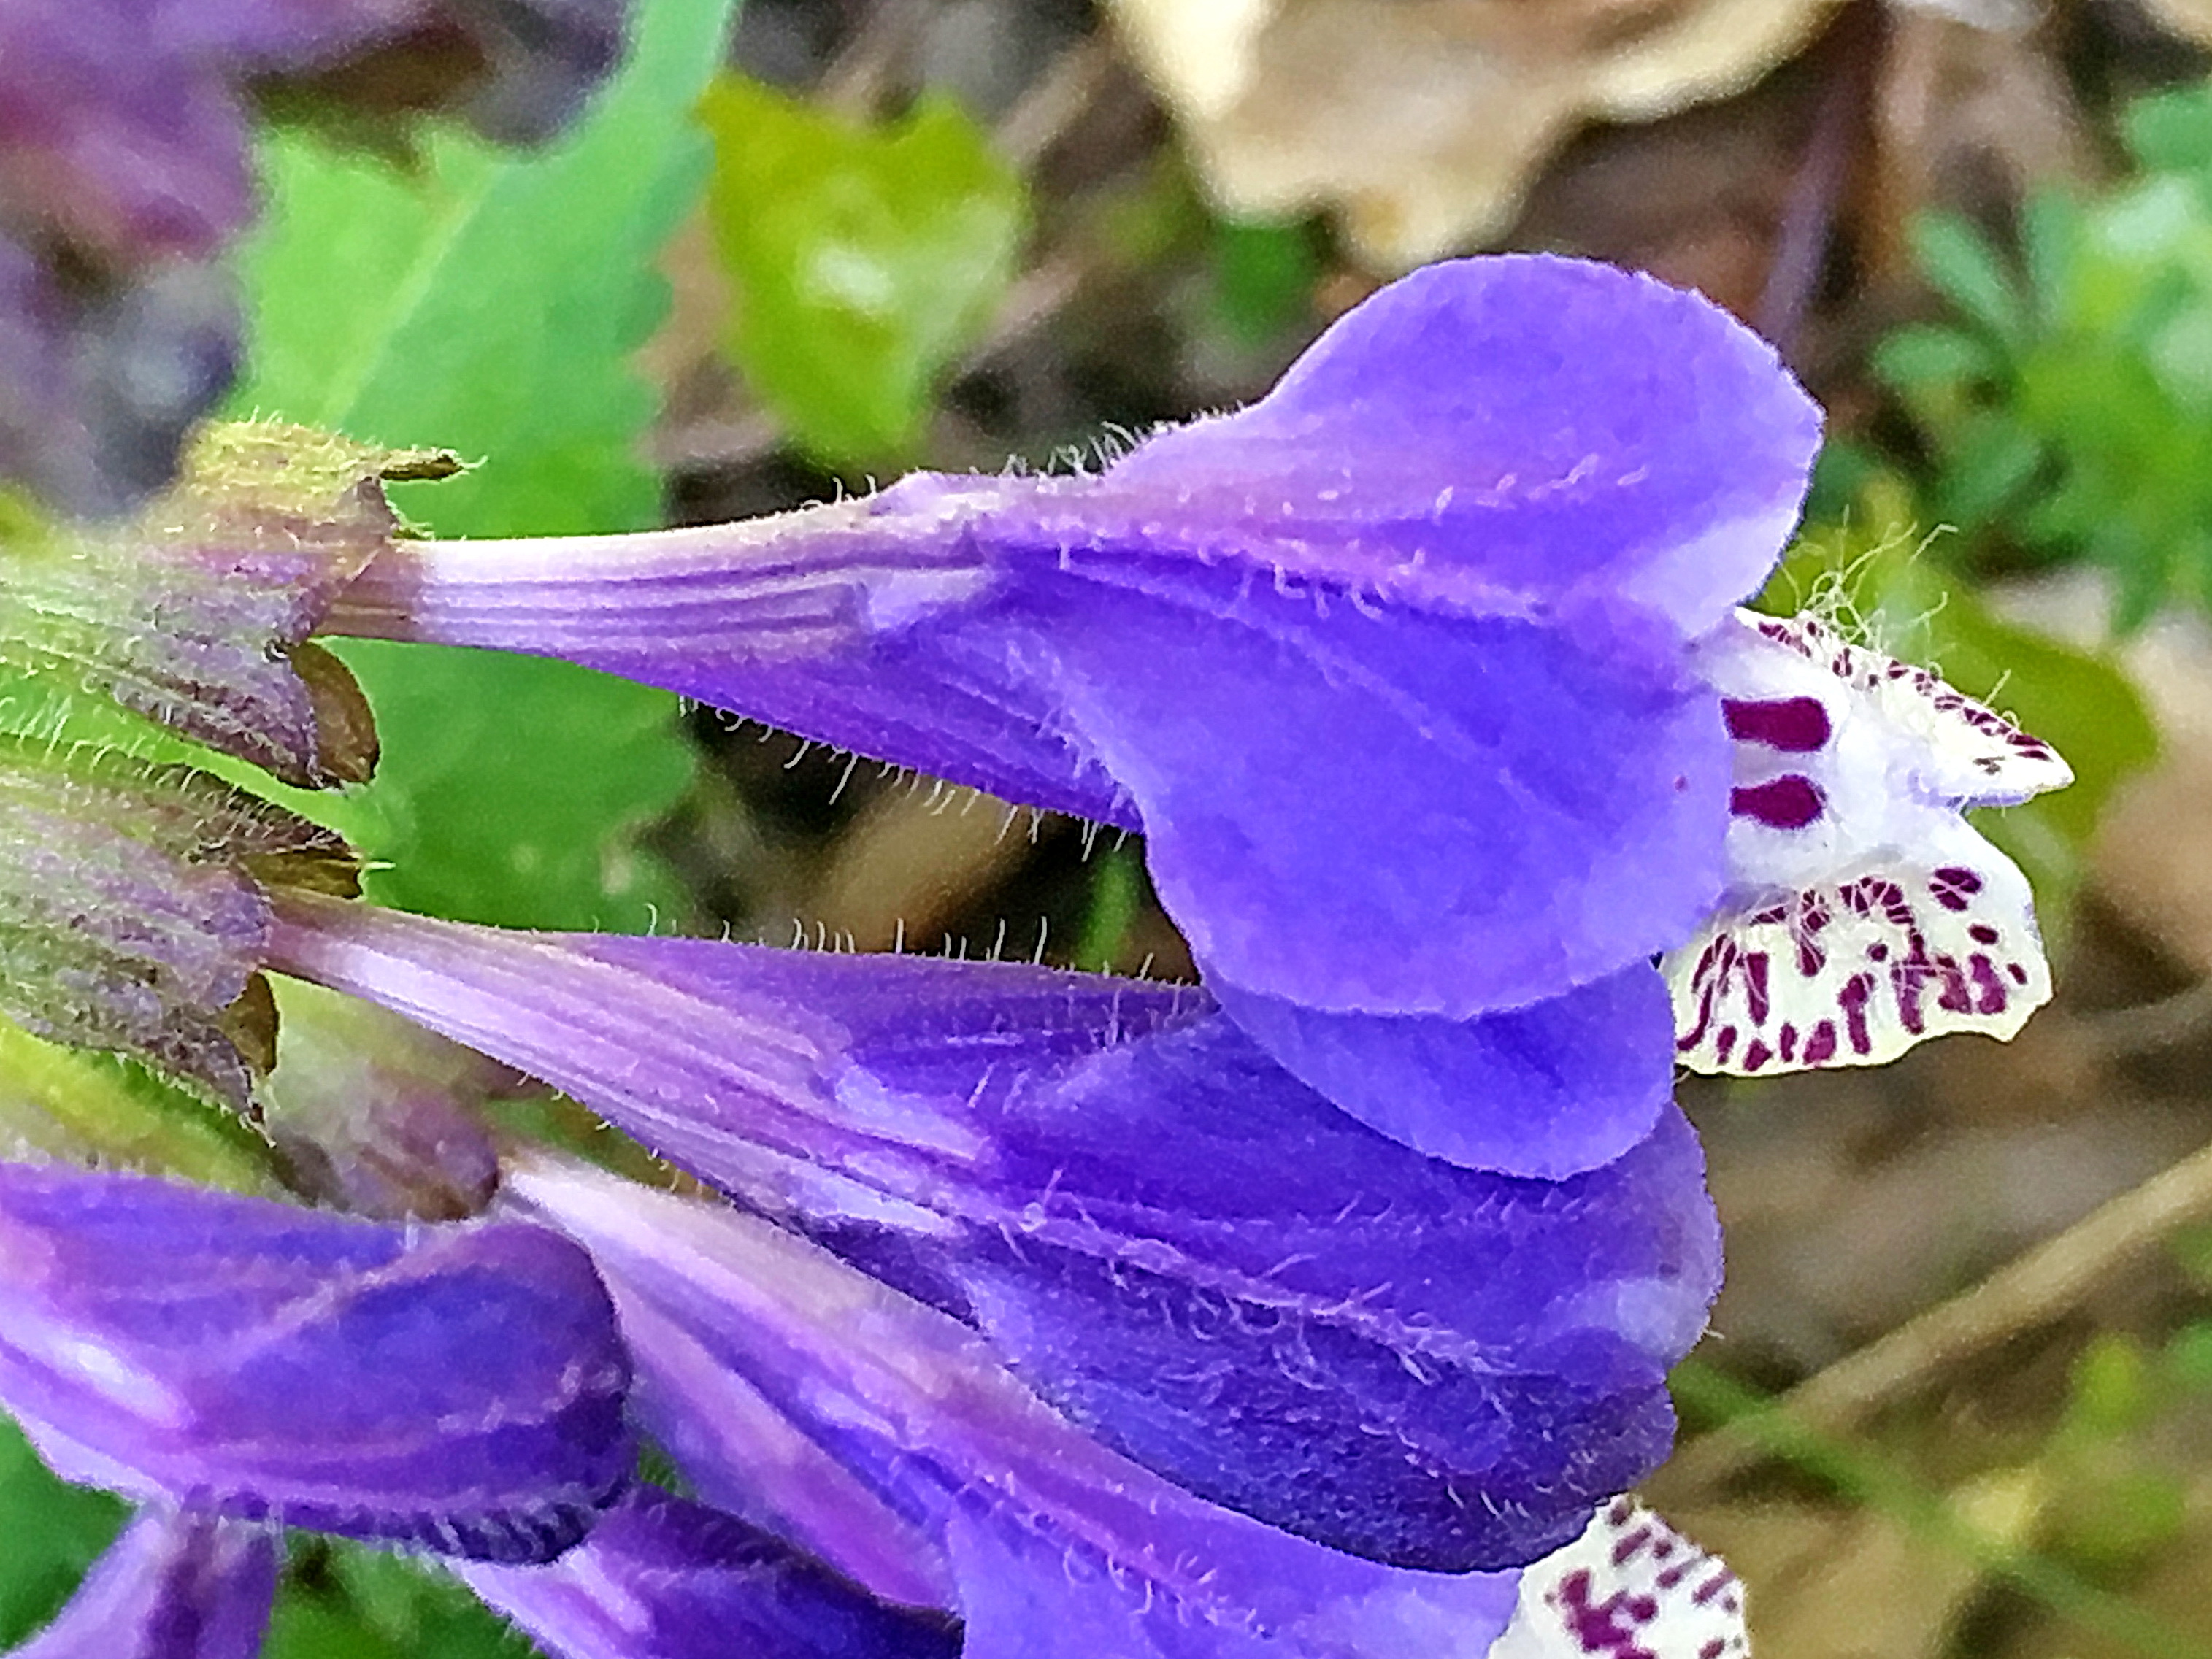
x: 862, y: 260
x: 1264, y: 272
x: 54, y: 1531
x: 1860, y: 1470
x: 2067, y: 410
x: 488, y: 302
x: 2115, y: 1502
x: 344, y: 1600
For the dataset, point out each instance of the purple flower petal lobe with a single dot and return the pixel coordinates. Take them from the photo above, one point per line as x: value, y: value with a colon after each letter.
x: 1415, y: 816
x: 1420, y: 615
x: 1057, y: 1548
x: 1503, y: 436
x: 457, y: 1388
x: 1564, y: 1085
x: 661, y: 1578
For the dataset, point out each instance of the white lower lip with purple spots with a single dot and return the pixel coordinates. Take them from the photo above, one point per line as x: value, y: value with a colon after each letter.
x: 1864, y: 913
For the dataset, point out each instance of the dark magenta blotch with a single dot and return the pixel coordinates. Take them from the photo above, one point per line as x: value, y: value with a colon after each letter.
x: 1785, y: 803
x: 1795, y: 725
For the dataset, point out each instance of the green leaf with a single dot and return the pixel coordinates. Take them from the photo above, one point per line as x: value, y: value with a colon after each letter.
x: 343, y: 1601
x: 863, y: 260
x: 76, y: 1106
x: 524, y: 783
x: 54, y: 1531
x: 2171, y: 132
x: 1928, y: 356
x: 495, y: 299
x: 1993, y: 460
x: 2188, y: 1358
x: 1959, y: 261
x: 1264, y: 272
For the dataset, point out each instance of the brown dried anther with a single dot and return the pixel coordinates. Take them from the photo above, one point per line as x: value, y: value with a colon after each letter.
x: 197, y: 614
x: 135, y: 911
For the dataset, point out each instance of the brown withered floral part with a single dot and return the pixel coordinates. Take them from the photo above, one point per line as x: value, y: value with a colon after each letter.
x: 196, y: 614
x: 135, y: 910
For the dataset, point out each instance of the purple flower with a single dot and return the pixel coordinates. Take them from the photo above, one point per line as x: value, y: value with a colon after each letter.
x: 661, y: 1578
x: 750, y: 1344
x: 1393, y: 669
x: 459, y: 1388
x: 1423, y: 679
x: 1053, y: 1544
x: 1293, y: 1317
x: 1161, y: 1230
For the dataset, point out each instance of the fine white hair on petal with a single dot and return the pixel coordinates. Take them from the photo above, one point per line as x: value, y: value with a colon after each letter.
x: 1630, y: 1588
x: 1863, y: 913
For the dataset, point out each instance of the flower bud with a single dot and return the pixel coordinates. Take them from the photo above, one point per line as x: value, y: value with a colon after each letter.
x: 197, y: 614
x: 134, y: 909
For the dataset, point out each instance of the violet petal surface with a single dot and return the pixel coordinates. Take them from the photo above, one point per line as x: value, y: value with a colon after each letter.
x: 1163, y: 1232
x: 1053, y: 1540
x: 457, y: 1388
x: 662, y: 1578
x: 1422, y: 613
x: 1564, y: 1085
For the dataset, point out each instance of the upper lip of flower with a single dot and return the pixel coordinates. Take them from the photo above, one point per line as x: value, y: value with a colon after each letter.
x: 1528, y: 481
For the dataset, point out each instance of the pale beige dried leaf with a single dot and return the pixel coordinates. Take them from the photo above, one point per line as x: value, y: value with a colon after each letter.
x: 2190, y: 17
x: 1422, y: 122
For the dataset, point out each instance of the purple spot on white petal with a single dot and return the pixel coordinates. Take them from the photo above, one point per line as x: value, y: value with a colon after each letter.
x: 1796, y: 726
x: 1786, y: 803
x: 1755, y: 987
x: 1852, y: 1000
x: 1609, y: 1598
x: 1954, y: 886
x: 1993, y: 999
